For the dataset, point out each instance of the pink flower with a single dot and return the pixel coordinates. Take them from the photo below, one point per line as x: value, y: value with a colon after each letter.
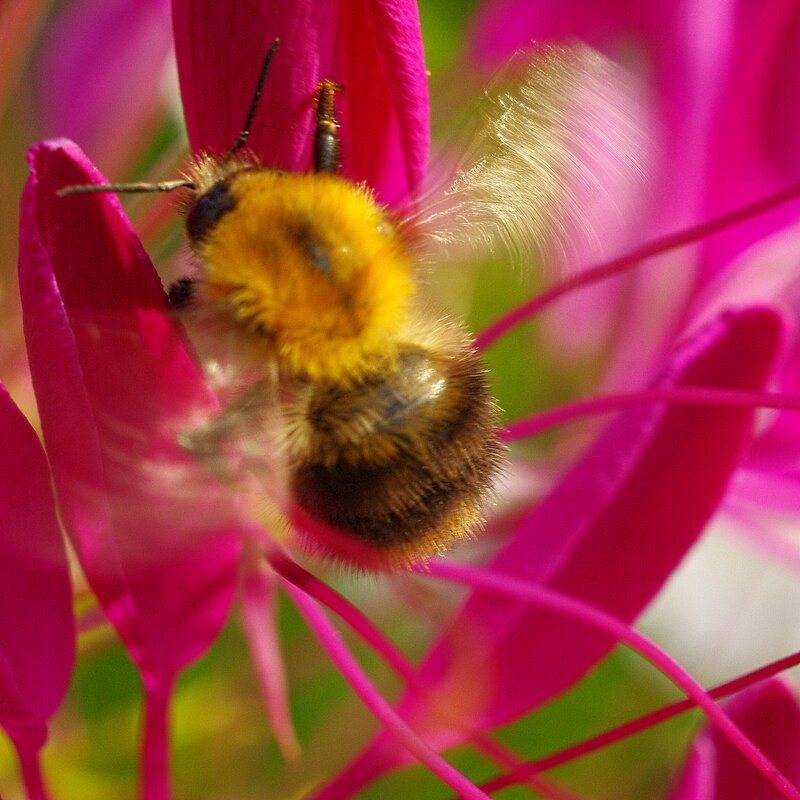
x: 37, y: 628
x: 160, y: 538
x: 725, y: 134
x: 723, y: 140
x: 112, y: 378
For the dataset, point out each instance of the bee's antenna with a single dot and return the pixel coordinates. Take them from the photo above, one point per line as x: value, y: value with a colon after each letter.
x: 170, y: 186
x: 120, y: 188
x: 262, y: 76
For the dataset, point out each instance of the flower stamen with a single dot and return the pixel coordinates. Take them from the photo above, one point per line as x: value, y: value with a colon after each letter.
x: 605, y: 404
x: 546, y: 597
x: 664, y: 244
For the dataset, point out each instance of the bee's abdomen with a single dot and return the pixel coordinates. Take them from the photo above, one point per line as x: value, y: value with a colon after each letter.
x: 405, y: 462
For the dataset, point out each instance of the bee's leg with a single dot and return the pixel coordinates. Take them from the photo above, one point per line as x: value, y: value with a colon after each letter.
x: 327, y: 145
x: 181, y: 293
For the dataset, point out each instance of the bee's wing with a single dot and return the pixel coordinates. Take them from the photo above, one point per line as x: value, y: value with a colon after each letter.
x: 194, y: 457
x: 559, y: 146
x: 243, y: 434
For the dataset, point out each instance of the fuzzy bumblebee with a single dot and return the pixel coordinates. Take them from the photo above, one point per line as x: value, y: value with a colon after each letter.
x: 378, y: 409
x: 386, y: 423
x: 388, y: 427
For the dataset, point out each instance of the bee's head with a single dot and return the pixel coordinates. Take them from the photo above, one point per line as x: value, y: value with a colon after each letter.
x: 309, y: 263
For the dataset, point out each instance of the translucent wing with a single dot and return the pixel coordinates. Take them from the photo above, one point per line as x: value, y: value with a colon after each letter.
x: 188, y: 458
x: 555, y: 166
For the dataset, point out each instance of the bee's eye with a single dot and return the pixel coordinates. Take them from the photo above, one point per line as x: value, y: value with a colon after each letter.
x: 208, y: 209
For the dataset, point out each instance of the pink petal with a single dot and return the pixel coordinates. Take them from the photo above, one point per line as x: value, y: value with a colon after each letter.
x: 618, y: 523
x: 98, y: 57
x: 37, y: 627
x: 372, y: 47
x: 750, y: 142
x: 609, y: 534
x: 503, y: 26
x: 697, y: 781
x: 723, y: 75
x: 114, y: 384
x: 770, y: 714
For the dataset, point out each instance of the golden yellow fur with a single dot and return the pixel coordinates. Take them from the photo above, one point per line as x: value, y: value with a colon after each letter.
x: 384, y: 426
x: 313, y: 265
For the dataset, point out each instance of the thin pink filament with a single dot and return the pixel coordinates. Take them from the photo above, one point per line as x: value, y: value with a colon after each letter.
x: 347, y: 665
x: 689, y: 395
x: 637, y: 725
x: 596, y: 618
x: 656, y: 247
x: 258, y: 619
x: 369, y: 633
x: 397, y: 661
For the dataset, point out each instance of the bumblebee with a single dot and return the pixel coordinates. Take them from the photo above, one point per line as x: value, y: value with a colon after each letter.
x: 389, y: 429
x: 378, y: 409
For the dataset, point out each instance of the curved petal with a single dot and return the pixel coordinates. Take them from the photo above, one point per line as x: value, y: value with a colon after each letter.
x: 634, y: 504
x: 766, y: 271
x: 376, y: 55
x: 770, y: 714
x: 114, y: 383
x: 610, y: 534
x: 37, y: 627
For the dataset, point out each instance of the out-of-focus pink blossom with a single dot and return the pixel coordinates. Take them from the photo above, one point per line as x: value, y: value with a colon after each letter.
x: 100, y: 70
x: 18, y: 24
x: 721, y: 74
x: 720, y: 82
x: 718, y: 77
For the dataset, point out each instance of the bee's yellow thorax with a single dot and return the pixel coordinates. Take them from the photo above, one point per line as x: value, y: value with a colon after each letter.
x: 311, y: 264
